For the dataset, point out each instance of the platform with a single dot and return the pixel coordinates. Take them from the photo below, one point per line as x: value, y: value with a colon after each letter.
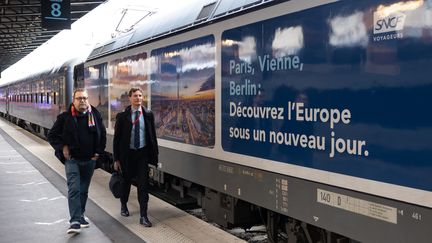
x: 34, y: 204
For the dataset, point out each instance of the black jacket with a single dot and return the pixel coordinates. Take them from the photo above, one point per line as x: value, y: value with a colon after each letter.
x: 122, y: 136
x: 64, y: 132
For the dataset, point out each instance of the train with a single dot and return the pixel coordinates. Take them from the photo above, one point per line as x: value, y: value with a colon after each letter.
x: 312, y: 117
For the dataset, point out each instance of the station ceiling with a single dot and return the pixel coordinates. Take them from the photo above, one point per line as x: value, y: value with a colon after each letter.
x: 20, y: 27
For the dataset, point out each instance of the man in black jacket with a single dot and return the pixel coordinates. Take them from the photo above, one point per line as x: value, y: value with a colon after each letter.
x: 78, y: 137
x: 135, y: 146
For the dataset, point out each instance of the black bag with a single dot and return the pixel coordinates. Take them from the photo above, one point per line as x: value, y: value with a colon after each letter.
x: 116, y: 184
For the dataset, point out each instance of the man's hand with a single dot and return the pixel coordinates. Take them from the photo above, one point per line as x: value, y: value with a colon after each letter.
x: 117, y: 165
x: 95, y: 157
x: 66, y: 152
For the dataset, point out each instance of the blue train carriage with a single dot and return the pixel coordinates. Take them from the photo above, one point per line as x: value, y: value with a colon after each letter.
x: 33, y: 101
x: 312, y: 116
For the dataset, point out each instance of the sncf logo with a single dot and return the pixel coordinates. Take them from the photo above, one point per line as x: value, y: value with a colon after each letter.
x: 392, y: 22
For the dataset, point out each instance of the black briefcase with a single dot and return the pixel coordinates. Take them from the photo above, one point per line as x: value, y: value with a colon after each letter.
x: 116, y: 184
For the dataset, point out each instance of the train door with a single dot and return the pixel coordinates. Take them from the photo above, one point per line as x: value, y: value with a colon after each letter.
x: 61, y: 94
x: 7, y: 101
x: 55, y: 93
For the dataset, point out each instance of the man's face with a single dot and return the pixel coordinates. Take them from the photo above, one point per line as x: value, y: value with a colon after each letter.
x: 81, y: 101
x: 136, y: 98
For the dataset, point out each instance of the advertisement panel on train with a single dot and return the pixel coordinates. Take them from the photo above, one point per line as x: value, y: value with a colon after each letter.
x: 183, y: 94
x: 339, y: 88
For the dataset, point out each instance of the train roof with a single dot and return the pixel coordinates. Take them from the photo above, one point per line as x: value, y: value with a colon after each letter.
x: 188, y: 15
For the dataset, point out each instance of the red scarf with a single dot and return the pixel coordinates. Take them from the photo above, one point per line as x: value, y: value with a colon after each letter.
x: 91, y: 122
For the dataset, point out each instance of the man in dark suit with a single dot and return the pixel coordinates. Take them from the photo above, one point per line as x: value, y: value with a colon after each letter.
x: 135, y: 146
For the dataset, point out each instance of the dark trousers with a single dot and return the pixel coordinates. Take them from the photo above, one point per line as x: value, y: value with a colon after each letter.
x: 137, y: 168
x: 78, y: 175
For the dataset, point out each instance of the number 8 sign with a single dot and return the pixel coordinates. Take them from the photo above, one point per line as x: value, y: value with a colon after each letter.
x: 56, y: 14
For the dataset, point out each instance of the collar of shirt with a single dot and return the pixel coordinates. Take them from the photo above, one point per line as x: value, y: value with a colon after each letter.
x: 134, y: 110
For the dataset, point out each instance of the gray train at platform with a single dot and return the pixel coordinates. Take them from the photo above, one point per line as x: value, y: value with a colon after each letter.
x: 312, y: 117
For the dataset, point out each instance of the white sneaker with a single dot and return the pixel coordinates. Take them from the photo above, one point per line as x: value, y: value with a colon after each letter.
x: 74, y: 228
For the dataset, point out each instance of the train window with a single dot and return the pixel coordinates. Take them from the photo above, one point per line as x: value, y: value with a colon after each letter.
x: 48, y: 98
x: 54, y: 98
x: 36, y: 98
x: 41, y: 98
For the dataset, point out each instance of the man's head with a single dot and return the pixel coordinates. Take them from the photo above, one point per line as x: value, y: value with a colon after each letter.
x: 80, y: 100
x: 136, y: 97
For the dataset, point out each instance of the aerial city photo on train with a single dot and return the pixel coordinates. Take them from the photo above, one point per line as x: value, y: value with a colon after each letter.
x: 312, y: 118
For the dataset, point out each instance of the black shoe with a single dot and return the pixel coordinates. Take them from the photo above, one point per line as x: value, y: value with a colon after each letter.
x: 74, y: 228
x: 124, y: 211
x: 145, y: 221
x: 84, y: 223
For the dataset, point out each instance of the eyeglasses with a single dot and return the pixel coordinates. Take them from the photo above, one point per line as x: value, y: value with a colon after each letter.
x: 81, y: 98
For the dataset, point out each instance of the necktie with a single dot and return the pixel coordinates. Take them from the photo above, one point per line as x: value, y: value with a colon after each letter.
x: 137, y: 131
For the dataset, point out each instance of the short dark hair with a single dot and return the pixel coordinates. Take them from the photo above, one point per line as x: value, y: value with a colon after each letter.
x: 79, y: 90
x: 133, y: 90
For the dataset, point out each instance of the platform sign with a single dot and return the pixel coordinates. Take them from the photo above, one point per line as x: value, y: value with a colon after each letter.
x: 56, y: 14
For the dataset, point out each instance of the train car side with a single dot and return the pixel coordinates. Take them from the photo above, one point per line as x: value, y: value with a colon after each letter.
x: 290, y: 111
x: 35, y: 102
